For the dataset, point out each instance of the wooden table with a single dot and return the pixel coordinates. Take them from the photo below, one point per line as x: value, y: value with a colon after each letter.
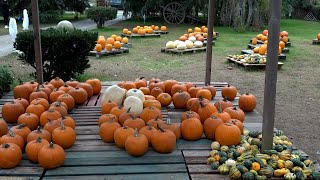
x: 91, y: 158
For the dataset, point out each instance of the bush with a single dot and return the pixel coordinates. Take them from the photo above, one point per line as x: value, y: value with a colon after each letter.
x: 5, y: 79
x: 50, y: 16
x: 101, y: 14
x: 64, y: 53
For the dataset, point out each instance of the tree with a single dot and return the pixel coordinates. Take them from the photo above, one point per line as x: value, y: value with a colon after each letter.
x: 78, y: 6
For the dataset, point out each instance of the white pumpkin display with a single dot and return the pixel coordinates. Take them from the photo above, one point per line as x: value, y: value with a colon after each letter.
x: 170, y: 45
x: 198, y: 44
x: 114, y: 93
x: 176, y: 42
x: 134, y: 103
x: 192, y: 38
x: 182, y: 46
x: 189, y: 44
x: 67, y: 25
x: 137, y: 93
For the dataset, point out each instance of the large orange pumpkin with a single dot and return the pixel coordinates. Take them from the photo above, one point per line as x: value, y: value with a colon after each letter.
x: 237, y: 123
x: 247, y: 102
x: 235, y: 113
x: 64, y: 136
x: 161, y: 137
x: 191, y: 129
x: 10, y: 155
x: 206, y: 110
x: 228, y: 134
x: 210, y: 125
x: 117, y: 45
x: 11, y: 111
x: 79, y: 95
x: 229, y: 92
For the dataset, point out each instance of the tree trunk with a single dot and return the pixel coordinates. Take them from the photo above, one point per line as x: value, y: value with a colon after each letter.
x: 250, y: 12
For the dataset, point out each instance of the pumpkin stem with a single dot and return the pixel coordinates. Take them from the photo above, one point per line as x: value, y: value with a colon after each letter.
x: 220, y: 108
x: 234, y: 108
x: 11, y: 133
x: 39, y: 130
x: 200, y: 98
x: 141, y: 78
x: 149, y: 126
x: 63, y: 127
x: 111, y: 120
x: 228, y: 85
x: 168, y: 122
x: 109, y: 101
x: 5, y: 145
x: 202, y: 105
x: 225, y: 99
x: 38, y: 88
x: 128, y: 109
x: 156, y: 119
x: 20, y: 126
x: 51, y: 145
x: 247, y: 93
x: 160, y: 128
x: 136, y: 133
x: 132, y: 117
x: 39, y: 140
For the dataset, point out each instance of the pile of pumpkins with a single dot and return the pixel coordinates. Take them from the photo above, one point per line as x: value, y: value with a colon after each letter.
x: 112, y: 42
x: 192, y: 39
x: 143, y: 30
x: 262, y: 49
x: 246, y: 161
x: 42, y: 128
x: 131, y: 114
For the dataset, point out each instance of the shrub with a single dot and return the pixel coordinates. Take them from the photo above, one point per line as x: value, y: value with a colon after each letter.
x: 5, y: 79
x: 50, y: 16
x: 101, y: 14
x: 64, y: 53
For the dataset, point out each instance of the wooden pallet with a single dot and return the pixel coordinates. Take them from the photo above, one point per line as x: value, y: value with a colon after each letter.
x: 251, y: 46
x: 247, y: 65
x: 282, y: 57
x: 90, y: 158
x: 128, y: 45
x: 288, y: 44
x: 316, y: 41
x: 161, y: 32
x: 113, y: 52
x: 176, y: 51
x: 139, y: 35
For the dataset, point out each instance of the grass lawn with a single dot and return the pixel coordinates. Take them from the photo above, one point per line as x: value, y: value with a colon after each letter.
x: 298, y: 86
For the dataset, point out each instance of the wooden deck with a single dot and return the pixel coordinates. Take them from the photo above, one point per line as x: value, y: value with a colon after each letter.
x: 91, y: 158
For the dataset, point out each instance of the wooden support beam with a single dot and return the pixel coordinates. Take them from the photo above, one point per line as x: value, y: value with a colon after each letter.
x: 37, y: 40
x: 209, y: 41
x: 271, y: 75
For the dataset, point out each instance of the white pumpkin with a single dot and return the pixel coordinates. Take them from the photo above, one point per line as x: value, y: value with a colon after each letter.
x: 170, y: 45
x: 176, y: 42
x: 134, y: 103
x: 182, y: 46
x: 189, y: 44
x: 137, y: 93
x: 114, y: 93
x: 65, y: 24
x: 198, y: 44
x: 192, y: 38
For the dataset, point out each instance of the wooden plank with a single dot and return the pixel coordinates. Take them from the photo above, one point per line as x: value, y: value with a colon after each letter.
x: 18, y: 178
x: 122, y: 50
x: 118, y: 169
x: 119, y: 153
x: 200, y: 168
x: 22, y: 171
x: 209, y: 176
x: 202, y: 144
x: 163, y: 176
x: 161, y: 32
x: 315, y: 41
x: 177, y: 51
x: 140, y: 36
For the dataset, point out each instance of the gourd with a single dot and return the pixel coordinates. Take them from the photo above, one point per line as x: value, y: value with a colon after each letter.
x: 182, y: 46
x: 214, y: 165
x: 175, y: 43
x: 215, y: 145
x: 290, y: 176
x: 170, y: 45
x: 114, y: 93
x: 242, y: 168
x: 234, y: 173
x: 137, y: 93
x: 247, y: 176
x: 266, y: 171
x: 230, y: 162
x: 223, y: 169
x: 198, y: 44
x: 134, y: 103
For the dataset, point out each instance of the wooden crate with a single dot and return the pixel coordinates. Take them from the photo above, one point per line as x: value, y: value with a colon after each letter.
x: 140, y: 36
x: 247, y: 65
x: 251, y: 46
x: 176, y: 51
x: 316, y: 41
x: 282, y: 57
x: 109, y: 53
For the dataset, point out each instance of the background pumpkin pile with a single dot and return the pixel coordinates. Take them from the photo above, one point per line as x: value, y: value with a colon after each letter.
x: 246, y: 161
x: 192, y: 39
x: 137, y: 105
x: 143, y: 30
x: 43, y: 128
x: 112, y: 42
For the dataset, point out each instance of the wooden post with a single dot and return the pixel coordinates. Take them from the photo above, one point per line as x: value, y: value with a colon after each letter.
x: 37, y: 40
x: 209, y: 42
x: 271, y: 75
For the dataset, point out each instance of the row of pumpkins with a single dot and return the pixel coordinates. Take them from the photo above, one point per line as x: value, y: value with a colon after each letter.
x: 248, y: 162
x: 262, y: 49
x: 142, y: 30
x: 131, y: 115
x: 112, y: 42
x: 43, y: 128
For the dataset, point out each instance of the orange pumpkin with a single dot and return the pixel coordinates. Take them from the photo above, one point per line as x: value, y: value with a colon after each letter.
x: 172, y: 127
x: 72, y: 83
x: 210, y: 125
x: 237, y: 123
x: 285, y: 39
x: 54, y: 95
x: 154, y: 122
x: 189, y: 114
x: 22, y: 130
x: 98, y: 47
x: 39, y: 133
x: 79, y: 95
x: 36, y: 109
x: 10, y: 155
x: 148, y: 131
x: 156, y: 91
x: 150, y: 113
x: 11, y: 111
x: 193, y: 91
x: 33, y: 147
x: 318, y: 36
x: 64, y: 136
x: 151, y: 103
x: 228, y: 134
x: 42, y: 102
x: 30, y: 119
x: 107, y: 129
x: 22, y: 101
x: 206, y: 110
x: 51, y: 156
x: 191, y: 129
x: 180, y: 99
x: 161, y: 137
x: 134, y: 123
x: 165, y: 99
x: 107, y: 106
x: 235, y: 113
x: 3, y: 127
x: 284, y: 33
x: 121, y: 135
x: 229, y: 92
x: 46, y: 116
x: 136, y: 144
x: 256, y: 50
x: 254, y: 41
x: 13, y: 138
x: 282, y: 44
x: 163, y: 28
x: 247, y: 102
x: 205, y: 93
x: 223, y: 103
